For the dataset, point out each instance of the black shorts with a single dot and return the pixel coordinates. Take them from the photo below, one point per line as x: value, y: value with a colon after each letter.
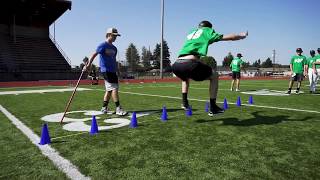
x: 236, y: 75
x: 298, y: 77
x: 110, y: 77
x: 191, y: 69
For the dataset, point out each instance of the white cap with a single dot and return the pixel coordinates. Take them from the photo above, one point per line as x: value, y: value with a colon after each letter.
x: 113, y: 31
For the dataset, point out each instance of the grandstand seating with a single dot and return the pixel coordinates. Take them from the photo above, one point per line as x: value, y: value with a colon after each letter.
x: 31, y: 55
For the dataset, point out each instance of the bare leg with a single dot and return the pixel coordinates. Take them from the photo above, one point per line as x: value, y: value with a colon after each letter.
x: 185, y: 86
x: 107, y: 96
x: 290, y: 84
x: 214, y: 84
x: 290, y: 87
x: 213, y: 91
x: 185, y: 90
x: 115, y: 95
x: 238, y: 84
x: 232, y: 84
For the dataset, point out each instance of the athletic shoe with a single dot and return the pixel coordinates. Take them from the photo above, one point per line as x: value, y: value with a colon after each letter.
x: 106, y: 110
x: 297, y: 92
x: 288, y: 92
x: 216, y: 110
x: 237, y: 90
x: 231, y: 89
x: 121, y: 112
x: 185, y: 107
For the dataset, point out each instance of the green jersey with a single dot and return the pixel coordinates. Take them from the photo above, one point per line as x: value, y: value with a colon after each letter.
x: 298, y: 63
x: 198, y: 41
x: 235, y: 64
x: 317, y: 59
x: 310, y: 61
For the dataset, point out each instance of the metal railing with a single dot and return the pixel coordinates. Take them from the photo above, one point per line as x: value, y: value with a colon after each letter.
x: 60, y: 49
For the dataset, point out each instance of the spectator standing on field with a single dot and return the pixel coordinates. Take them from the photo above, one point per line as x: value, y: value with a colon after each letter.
x: 316, y: 67
x: 312, y: 75
x: 236, y: 65
x: 298, y: 68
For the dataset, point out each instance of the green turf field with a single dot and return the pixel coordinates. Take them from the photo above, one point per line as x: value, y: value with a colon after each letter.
x: 278, y: 137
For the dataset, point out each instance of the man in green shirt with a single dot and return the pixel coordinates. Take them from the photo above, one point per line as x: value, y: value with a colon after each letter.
x: 189, y: 66
x: 236, y: 65
x: 316, y: 66
x: 298, y: 67
x: 312, y: 75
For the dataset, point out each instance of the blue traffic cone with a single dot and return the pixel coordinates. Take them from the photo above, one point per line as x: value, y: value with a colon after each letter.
x: 189, y: 111
x: 238, y: 101
x: 164, y: 115
x: 133, y: 123
x: 94, y: 126
x: 250, y: 100
x: 225, y: 104
x: 45, y: 137
x: 207, y: 106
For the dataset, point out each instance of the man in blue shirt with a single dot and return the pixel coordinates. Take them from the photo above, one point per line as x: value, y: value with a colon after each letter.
x: 108, y: 67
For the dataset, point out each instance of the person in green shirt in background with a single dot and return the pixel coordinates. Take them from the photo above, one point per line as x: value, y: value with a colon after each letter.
x: 316, y: 67
x: 298, y: 67
x: 312, y: 75
x: 189, y: 66
x: 236, y: 65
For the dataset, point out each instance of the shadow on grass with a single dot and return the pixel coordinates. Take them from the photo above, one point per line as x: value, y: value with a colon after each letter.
x: 256, y: 120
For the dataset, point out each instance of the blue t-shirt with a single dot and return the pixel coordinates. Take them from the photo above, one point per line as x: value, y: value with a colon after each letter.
x: 108, y: 53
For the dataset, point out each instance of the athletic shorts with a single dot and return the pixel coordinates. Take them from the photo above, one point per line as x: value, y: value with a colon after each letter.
x: 297, y: 77
x: 110, y: 80
x: 191, y: 69
x: 236, y: 75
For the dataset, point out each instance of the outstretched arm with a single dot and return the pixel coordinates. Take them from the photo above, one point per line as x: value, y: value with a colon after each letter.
x: 314, y: 67
x: 88, y: 65
x: 234, y: 37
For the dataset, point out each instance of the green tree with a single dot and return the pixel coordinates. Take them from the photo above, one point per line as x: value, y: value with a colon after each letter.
x: 257, y: 63
x: 132, y: 57
x: 166, y: 56
x: 146, y: 56
x: 246, y: 64
x: 267, y: 63
x: 227, y: 60
x: 210, y: 61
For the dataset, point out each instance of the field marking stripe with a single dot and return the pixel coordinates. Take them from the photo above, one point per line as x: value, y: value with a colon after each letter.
x: 61, y: 163
x: 192, y: 99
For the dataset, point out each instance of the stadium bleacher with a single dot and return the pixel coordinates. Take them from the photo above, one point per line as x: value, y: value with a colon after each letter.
x: 26, y: 50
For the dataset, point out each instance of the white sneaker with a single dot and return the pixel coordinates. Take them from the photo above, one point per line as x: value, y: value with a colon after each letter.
x: 106, y: 110
x: 237, y: 90
x: 231, y: 89
x: 121, y: 112
x: 184, y: 107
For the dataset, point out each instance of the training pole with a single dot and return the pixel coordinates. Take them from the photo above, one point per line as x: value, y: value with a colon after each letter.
x: 74, y: 91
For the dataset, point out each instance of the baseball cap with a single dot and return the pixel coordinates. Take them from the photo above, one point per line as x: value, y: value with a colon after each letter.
x: 113, y: 31
x: 299, y: 50
x: 318, y: 49
x: 239, y: 55
x: 312, y: 52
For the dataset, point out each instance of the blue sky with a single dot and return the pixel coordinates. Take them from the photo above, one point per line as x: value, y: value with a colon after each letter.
x: 282, y: 25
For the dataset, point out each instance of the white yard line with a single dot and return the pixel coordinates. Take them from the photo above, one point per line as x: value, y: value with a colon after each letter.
x: 61, y: 163
x: 41, y: 91
x: 192, y: 99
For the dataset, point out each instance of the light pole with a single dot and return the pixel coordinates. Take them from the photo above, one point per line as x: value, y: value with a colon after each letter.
x: 161, y: 51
